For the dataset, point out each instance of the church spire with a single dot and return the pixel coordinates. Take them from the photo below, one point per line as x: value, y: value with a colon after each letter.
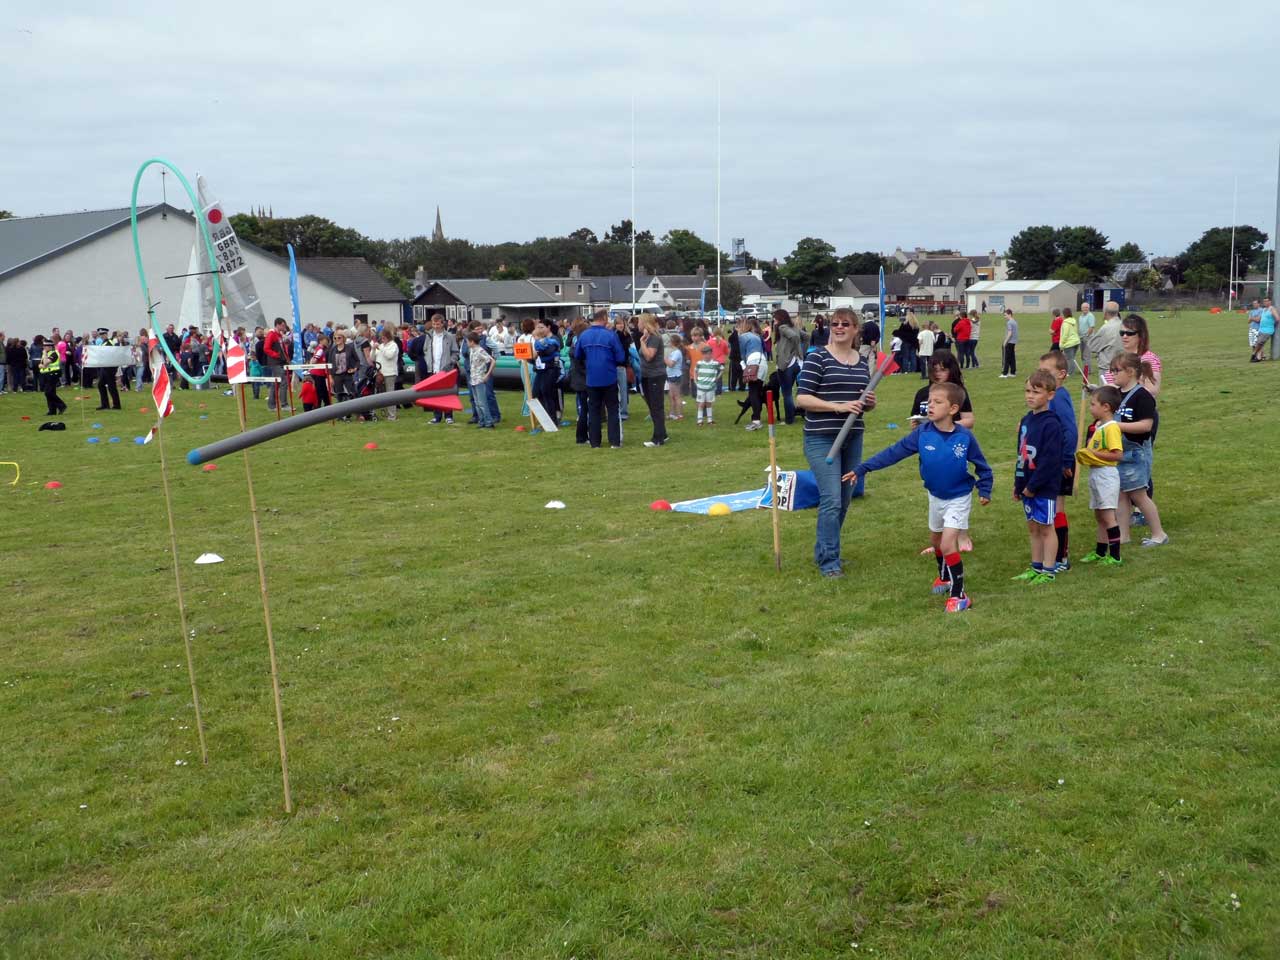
x: 438, y: 234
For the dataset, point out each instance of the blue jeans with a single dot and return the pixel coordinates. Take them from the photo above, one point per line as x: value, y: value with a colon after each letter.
x: 786, y: 380
x: 4, y: 372
x: 624, y: 397
x: 833, y: 494
x: 480, y: 395
x: 908, y: 359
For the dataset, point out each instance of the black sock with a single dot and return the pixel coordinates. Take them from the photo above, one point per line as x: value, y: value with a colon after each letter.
x: 1113, y: 541
x: 942, y: 565
x: 1101, y: 548
x: 955, y: 568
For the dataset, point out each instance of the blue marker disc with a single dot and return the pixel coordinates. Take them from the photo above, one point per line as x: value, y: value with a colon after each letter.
x: 92, y: 439
x: 97, y: 426
x: 139, y: 440
x: 114, y: 440
x: 891, y: 426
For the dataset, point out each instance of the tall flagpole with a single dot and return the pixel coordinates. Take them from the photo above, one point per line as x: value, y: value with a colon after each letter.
x: 719, y: 302
x: 1275, y: 264
x: 633, y: 204
x: 1231, y: 265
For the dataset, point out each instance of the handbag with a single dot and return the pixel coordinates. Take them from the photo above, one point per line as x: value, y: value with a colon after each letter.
x: 751, y: 373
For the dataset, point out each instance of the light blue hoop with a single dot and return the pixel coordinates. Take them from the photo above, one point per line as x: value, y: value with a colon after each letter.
x: 142, y: 273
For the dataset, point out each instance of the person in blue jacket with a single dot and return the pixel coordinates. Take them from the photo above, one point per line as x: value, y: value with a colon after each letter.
x: 945, y: 450
x: 1055, y: 361
x: 601, y: 350
x: 1038, y: 476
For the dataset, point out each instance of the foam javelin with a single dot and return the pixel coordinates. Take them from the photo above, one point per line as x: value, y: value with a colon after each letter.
x: 437, y: 392
x: 885, y: 365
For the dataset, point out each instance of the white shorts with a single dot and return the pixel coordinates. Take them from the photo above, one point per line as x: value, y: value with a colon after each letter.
x: 1104, y: 488
x: 707, y: 396
x: 949, y: 513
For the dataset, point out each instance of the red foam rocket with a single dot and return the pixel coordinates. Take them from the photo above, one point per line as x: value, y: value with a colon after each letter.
x: 440, y: 381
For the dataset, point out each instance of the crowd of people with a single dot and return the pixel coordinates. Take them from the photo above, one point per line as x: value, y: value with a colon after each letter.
x: 1117, y: 447
x: 603, y: 361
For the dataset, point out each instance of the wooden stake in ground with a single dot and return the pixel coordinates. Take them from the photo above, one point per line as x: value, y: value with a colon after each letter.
x: 177, y: 582
x: 266, y: 614
x: 773, y: 483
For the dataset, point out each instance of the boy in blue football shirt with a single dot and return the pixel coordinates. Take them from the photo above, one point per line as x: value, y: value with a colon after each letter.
x: 1055, y: 361
x: 1038, y: 476
x: 945, y: 449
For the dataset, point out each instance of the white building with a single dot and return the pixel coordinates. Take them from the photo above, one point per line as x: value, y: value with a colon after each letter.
x: 1032, y: 296
x: 76, y: 271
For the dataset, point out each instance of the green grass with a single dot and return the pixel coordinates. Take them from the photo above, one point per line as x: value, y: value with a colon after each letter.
x: 605, y: 732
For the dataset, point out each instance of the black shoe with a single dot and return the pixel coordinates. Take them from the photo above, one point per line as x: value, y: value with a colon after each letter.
x: 102, y: 408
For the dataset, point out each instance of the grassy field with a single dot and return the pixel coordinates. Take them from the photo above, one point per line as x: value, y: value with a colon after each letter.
x: 606, y: 732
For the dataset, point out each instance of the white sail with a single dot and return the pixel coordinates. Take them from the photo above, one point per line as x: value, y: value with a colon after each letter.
x: 197, y: 294
x: 239, y: 297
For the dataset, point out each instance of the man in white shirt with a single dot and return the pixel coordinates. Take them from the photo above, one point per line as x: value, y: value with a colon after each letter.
x: 441, y: 354
x: 1105, y: 342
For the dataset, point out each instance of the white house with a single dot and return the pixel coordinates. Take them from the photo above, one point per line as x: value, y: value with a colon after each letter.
x: 1033, y: 296
x: 76, y: 271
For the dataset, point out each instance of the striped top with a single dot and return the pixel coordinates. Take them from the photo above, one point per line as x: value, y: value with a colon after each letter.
x: 825, y: 377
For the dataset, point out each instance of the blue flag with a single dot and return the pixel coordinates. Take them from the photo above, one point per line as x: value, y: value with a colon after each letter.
x: 882, y: 301
x: 702, y: 299
x: 297, y: 313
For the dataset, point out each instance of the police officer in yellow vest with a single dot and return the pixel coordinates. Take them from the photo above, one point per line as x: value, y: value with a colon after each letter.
x: 107, y: 376
x: 50, y: 371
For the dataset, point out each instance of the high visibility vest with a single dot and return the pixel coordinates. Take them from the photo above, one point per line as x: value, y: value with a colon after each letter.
x: 50, y: 362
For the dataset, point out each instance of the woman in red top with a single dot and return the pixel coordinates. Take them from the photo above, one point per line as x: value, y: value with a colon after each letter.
x: 1055, y: 330
x: 320, y: 372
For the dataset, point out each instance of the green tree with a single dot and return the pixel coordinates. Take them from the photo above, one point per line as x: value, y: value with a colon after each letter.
x: 811, y: 269
x: 621, y: 233
x: 731, y: 291
x: 1214, y: 249
x: 505, y: 272
x: 310, y: 235
x: 860, y: 264
x: 692, y: 250
x: 1128, y: 253
x: 1086, y: 247
x: 1033, y: 253
x: 1072, y: 273
x: 7, y: 215
x: 1204, y: 276
x: 585, y: 234
x: 1149, y: 280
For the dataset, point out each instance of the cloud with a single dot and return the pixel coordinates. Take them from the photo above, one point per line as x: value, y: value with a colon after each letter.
x: 951, y: 125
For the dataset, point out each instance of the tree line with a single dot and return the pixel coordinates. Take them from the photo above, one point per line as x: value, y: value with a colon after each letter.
x: 1077, y: 254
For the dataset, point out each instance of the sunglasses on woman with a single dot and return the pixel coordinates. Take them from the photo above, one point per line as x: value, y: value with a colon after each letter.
x: 1128, y: 333
x: 840, y: 323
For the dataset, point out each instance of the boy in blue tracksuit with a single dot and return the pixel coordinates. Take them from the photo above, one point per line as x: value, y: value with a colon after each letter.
x: 1038, y: 476
x: 1055, y: 361
x: 945, y: 449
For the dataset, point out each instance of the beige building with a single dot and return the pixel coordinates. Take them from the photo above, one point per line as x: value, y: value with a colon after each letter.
x: 1029, y: 296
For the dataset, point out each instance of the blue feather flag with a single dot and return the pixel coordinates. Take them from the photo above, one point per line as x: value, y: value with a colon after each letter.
x: 298, y: 356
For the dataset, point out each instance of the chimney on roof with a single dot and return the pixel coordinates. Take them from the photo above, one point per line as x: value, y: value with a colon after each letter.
x: 575, y: 272
x: 701, y: 272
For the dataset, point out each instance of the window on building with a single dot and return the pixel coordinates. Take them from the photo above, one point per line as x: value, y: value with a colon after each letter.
x: 1031, y: 300
x: 579, y: 289
x: 557, y: 289
x: 486, y: 313
x: 940, y: 280
x: 996, y: 300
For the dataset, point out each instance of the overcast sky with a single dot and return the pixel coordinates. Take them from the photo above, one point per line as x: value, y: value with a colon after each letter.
x: 944, y: 125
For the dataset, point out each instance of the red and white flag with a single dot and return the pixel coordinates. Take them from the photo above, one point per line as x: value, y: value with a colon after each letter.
x: 161, y: 392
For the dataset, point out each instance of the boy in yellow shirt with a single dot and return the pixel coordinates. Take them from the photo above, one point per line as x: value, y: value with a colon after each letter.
x: 1100, y: 453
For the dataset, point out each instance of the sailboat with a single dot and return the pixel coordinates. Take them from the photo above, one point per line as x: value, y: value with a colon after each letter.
x: 241, y: 306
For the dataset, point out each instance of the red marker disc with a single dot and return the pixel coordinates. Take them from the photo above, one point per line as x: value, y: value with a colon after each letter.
x: 215, y: 215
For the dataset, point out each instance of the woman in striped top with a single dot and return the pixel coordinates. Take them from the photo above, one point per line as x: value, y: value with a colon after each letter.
x: 830, y: 384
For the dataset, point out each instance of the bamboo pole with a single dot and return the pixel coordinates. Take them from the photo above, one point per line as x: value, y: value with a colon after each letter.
x: 266, y: 617
x: 773, y: 483
x: 177, y: 582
